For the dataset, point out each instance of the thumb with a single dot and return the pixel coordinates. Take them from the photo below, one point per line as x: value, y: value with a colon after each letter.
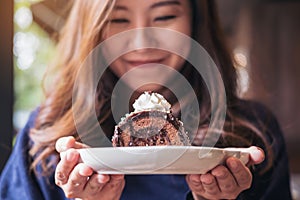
x: 257, y: 155
x: 65, y: 143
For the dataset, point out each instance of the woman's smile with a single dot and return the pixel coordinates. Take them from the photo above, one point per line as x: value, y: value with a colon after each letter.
x: 143, y: 62
x: 140, y: 14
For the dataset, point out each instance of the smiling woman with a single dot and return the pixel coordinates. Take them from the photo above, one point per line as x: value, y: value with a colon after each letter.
x: 172, y: 15
x: 48, y: 145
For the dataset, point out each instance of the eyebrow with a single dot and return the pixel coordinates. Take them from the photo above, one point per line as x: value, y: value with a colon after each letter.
x: 155, y: 5
x: 118, y: 7
x: 165, y: 3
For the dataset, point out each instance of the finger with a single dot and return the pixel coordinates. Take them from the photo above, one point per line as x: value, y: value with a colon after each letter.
x: 65, y: 143
x: 64, y: 167
x: 77, y: 181
x: 115, y: 183
x: 194, y: 179
x: 257, y: 155
x: 85, y: 170
x: 240, y: 172
x: 195, y: 183
x: 113, y: 189
x: 210, y: 184
x: 95, y: 184
x: 117, y: 177
x: 225, y: 179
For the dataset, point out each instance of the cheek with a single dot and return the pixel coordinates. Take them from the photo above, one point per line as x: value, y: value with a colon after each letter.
x: 176, y: 62
x: 117, y: 68
x: 183, y: 23
x: 186, y: 28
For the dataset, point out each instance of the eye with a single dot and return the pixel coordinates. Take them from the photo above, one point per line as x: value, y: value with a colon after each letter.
x: 119, y: 21
x: 165, y: 18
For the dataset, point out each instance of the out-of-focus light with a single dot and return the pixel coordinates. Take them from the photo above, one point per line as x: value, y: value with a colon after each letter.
x: 19, y: 119
x: 241, y: 59
x: 23, y: 17
x: 240, y: 56
x: 242, y: 66
x: 25, y: 48
x: 38, y: 74
x: 25, y: 61
x: 243, y: 80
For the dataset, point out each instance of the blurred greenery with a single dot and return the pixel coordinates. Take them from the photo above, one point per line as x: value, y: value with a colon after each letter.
x: 33, y: 50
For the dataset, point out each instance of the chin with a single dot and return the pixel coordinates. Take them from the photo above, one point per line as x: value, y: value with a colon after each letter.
x: 149, y: 87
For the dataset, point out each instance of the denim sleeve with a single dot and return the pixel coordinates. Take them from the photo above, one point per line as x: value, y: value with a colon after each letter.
x: 17, y: 181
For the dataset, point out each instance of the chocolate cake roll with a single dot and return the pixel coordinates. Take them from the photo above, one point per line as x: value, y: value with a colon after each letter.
x: 151, y: 124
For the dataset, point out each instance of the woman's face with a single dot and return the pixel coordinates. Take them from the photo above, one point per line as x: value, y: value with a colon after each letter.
x: 136, y: 14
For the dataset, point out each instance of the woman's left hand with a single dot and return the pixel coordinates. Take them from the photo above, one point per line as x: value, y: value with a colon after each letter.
x: 225, y: 181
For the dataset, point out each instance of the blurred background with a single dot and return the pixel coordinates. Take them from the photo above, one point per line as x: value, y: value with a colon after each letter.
x: 263, y: 34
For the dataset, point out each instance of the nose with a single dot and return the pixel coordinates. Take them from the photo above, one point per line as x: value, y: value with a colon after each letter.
x: 142, y: 36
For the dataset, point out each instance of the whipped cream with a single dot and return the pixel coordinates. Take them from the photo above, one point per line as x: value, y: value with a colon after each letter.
x: 151, y: 101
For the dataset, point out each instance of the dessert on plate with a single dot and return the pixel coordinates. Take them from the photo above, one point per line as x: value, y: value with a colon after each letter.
x: 150, y: 124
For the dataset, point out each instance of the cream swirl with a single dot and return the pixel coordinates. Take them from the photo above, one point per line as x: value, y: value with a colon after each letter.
x: 151, y: 101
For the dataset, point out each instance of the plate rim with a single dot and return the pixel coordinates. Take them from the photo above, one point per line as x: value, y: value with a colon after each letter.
x: 243, y: 155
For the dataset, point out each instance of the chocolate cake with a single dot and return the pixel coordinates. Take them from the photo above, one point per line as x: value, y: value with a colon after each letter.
x: 151, y: 124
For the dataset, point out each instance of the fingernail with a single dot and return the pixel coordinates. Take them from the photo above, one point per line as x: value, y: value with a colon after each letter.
x: 61, y: 148
x: 207, y: 180
x: 61, y: 176
x: 219, y: 173
x: 102, y: 179
x: 259, y: 155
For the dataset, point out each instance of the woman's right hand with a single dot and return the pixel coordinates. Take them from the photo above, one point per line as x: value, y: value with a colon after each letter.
x: 77, y: 180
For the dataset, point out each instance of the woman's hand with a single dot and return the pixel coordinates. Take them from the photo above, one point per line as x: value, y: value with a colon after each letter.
x: 225, y: 182
x: 78, y: 180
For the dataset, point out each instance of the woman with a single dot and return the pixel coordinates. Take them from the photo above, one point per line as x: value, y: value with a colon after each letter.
x: 53, y: 124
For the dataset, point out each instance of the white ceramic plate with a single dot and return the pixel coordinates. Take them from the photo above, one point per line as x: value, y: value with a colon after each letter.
x: 158, y: 159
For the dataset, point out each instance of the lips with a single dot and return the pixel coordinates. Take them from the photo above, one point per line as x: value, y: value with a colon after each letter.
x: 143, y: 62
